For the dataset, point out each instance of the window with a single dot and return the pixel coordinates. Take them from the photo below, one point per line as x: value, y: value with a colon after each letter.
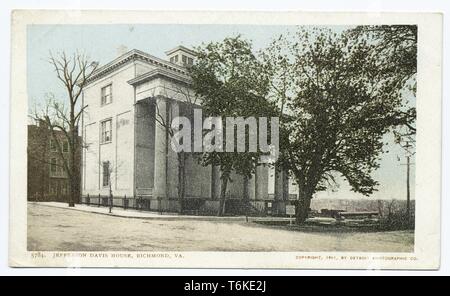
x: 52, y: 145
x: 106, y: 173
x: 60, y: 165
x: 184, y: 58
x: 190, y: 61
x: 65, y: 146
x: 52, y: 188
x: 174, y: 59
x: 107, y: 94
x: 106, y: 127
x: 53, y: 165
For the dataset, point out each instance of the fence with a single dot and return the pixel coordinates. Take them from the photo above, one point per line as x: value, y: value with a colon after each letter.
x: 136, y: 203
x: 191, y: 205
x: 48, y: 197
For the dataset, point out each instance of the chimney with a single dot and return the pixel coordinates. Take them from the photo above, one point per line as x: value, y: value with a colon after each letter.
x: 121, y: 50
x: 42, y: 124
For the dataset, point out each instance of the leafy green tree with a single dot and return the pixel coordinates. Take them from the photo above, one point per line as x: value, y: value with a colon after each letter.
x: 228, y: 78
x: 338, y: 106
x: 395, y: 48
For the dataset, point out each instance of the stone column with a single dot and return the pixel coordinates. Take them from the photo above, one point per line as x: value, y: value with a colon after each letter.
x: 278, y: 188
x: 252, y: 187
x: 281, y: 189
x: 160, y: 189
x: 285, y: 186
x: 262, y: 182
x: 172, y: 157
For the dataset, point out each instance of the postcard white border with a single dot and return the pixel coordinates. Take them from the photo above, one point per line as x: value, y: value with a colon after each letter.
x: 428, y: 157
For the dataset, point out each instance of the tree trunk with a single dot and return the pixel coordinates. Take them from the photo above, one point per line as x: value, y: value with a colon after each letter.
x: 72, y: 194
x: 246, y: 197
x: 71, y: 164
x: 181, y: 180
x: 408, y: 194
x: 223, y: 191
x: 72, y: 181
x: 246, y: 191
x: 110, y: 197
x: 73, y: 133
x: 302, y: 209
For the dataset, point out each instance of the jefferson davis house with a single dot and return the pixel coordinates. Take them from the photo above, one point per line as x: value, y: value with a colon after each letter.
x: 127, y: 150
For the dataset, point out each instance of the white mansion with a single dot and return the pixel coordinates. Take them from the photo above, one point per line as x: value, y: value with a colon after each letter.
x: 127, y: 149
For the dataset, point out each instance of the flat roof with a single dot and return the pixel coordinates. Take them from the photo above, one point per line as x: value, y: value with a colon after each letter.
x: 181, y: 48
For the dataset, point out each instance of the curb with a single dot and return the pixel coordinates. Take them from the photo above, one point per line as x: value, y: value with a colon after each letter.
x: 166, y: 218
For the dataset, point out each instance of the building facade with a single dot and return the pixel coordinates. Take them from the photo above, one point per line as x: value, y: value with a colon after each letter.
x: 47, y: 179
x: 127, y: 147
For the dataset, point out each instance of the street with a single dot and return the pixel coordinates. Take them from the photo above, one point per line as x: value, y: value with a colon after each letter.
x: 60, y: 229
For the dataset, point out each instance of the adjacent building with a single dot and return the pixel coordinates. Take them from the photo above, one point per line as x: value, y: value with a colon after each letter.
x: 47, y: 179
x: 127, y: 149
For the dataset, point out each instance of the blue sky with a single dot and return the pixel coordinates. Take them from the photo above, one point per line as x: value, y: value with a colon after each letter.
x: 101, y: 43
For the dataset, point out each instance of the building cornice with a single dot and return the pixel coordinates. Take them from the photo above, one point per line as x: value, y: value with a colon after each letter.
x: 131, y: 56
x: 181, y: 48
x: 161, y: 72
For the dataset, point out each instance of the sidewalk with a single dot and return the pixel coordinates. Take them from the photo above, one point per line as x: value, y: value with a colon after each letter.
x: 131, y: 213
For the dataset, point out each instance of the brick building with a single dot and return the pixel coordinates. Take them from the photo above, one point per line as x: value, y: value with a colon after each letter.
x: 47, y: 179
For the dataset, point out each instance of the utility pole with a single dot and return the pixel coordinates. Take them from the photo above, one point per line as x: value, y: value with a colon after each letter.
x: 408, y: 195
x: 409, y: 153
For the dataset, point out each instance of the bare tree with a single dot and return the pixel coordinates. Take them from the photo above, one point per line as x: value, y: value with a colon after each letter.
x: 65, y: 114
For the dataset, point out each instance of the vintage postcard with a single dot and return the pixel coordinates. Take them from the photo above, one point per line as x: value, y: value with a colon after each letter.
x: 225, y: 139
